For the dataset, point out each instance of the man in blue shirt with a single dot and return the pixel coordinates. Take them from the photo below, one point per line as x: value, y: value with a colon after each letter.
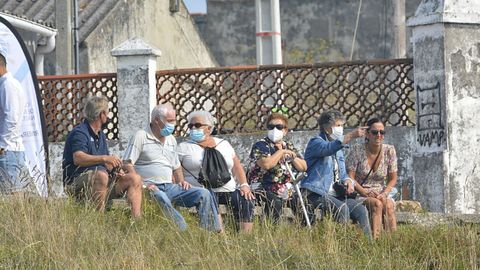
x: 12, y: 105
x: 326, y: 165
x: 89, y: 169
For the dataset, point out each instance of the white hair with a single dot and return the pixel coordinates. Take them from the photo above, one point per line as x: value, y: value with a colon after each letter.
x: 206, y: 115
x: 161, y: 111
x: 94, y: 106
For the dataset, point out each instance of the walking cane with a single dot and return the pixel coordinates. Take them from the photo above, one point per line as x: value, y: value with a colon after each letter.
x: 297, y: 189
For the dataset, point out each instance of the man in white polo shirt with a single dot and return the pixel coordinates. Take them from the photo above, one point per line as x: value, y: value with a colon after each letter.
x: 153, y: 152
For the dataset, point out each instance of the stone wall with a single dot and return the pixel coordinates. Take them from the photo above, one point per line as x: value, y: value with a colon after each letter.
x: 401, y: 137
x: 312, y: 30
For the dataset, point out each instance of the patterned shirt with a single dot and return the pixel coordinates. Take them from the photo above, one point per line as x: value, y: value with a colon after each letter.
x: 276, y: 178
x: 357, y: 161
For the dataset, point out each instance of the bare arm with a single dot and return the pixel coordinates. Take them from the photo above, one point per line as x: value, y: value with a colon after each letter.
x: 267, y: 163
x: 238, y: 171
x: 392, y: 181
x: 351, y: 174
x: 358, y: 187
x: 178, y: 175
x: 299, y: 164
x: 356, y: 133
x: 179, y: 179
x: 128, y: 167
x: 239, y: 174
x: 83, y: 159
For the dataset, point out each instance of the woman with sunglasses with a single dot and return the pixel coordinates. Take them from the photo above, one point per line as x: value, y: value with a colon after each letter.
x: 237, y: 196
x: 374, y: 167
x: 268, y: 158
x: 326, y: 169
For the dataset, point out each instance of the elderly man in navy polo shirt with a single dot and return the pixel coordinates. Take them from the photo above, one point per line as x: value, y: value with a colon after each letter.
x: 89, y: 170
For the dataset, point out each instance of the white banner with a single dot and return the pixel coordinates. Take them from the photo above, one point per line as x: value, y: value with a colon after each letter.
x: 21, y: 66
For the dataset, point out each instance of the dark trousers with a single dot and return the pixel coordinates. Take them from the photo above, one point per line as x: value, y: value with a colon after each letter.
x: 273, y: 205
x: 241, y: 208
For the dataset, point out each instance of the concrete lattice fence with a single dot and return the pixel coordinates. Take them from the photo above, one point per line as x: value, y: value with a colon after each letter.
x: 63, y: 98
x: 241, y: 97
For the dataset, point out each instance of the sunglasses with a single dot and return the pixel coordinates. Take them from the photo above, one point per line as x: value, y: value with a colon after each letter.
x: 196, y: 125
x: 375, y: 132
x: 272, y: 126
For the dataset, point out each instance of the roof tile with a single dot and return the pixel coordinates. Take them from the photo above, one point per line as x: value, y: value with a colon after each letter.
x: 91, y: 12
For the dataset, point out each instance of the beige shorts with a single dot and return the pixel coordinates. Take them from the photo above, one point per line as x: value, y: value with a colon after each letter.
x: 81, y: 186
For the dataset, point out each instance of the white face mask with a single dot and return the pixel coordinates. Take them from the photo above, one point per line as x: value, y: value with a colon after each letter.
x: 275, y: 135
x: 337, y: 133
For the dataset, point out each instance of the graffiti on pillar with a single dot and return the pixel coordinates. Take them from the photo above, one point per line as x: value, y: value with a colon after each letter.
x: 430, y: 127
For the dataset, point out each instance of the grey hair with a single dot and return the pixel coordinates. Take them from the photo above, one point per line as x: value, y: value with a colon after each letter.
x: 161, y: 111
x: 328, y: 118
x: 207, y: 116
x: 94, y: 106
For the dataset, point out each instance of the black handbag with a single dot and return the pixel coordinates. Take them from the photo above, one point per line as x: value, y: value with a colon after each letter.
x: 341, y: 190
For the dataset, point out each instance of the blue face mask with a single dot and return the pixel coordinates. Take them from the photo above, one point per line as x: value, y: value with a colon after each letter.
x: 167, y: 129
x: 197, y: 135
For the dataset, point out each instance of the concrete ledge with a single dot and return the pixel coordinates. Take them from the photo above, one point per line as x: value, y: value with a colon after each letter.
x: 422, y: 219
x: 430, y: 219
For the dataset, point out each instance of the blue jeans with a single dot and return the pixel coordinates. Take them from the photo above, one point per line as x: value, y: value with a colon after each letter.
x: 169, y: 194
x: 342, y: 210
x: 11, y: 164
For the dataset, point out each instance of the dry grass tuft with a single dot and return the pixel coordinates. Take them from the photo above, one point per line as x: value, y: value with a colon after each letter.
x: 60, y: 234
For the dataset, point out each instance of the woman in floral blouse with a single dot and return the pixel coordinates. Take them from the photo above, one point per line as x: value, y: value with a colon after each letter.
x: 374, y: 167
x: 269, y: 157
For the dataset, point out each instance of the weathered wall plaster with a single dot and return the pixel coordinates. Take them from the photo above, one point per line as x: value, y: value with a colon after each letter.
x: 462, y: 47
x: 174, y: 34
x: 136, y: 84
x: 312, y: 30
x: 446, y: 55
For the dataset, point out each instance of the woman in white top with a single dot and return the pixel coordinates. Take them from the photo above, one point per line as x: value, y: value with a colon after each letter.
x: 240, y: 200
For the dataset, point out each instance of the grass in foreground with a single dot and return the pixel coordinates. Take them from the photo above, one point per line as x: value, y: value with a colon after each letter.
x: 61, y: 234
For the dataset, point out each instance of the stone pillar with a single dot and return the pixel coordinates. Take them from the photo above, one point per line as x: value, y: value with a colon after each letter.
x: 446, y: 58
x: 136, y: 85
x: 63, y: 46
